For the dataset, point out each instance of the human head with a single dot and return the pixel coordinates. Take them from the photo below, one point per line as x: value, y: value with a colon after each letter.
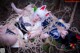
x: 42, y: 12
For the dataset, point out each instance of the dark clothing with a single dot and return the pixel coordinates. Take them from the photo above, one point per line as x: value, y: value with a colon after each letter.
x: 70, y: 38
x: 21, y: 25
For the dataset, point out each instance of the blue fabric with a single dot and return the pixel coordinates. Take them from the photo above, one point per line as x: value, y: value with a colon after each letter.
x: 60, y: 24
x: 46, y: 22
x: 54, y: 27
x: 54, y: 33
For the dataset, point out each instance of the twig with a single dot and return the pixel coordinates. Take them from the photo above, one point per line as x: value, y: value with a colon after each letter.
x: 72, y: 16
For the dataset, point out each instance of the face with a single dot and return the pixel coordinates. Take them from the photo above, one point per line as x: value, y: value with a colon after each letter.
x: 42, y: 12
x: 36, y: 18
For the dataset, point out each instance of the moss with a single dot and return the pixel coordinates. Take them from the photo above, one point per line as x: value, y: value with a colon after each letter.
x: 46, y: 47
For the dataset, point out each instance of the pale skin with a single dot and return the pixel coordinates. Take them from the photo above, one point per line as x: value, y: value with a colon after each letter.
x: 5, y: 38
x: 62, y: 31
x: 25, y: 11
